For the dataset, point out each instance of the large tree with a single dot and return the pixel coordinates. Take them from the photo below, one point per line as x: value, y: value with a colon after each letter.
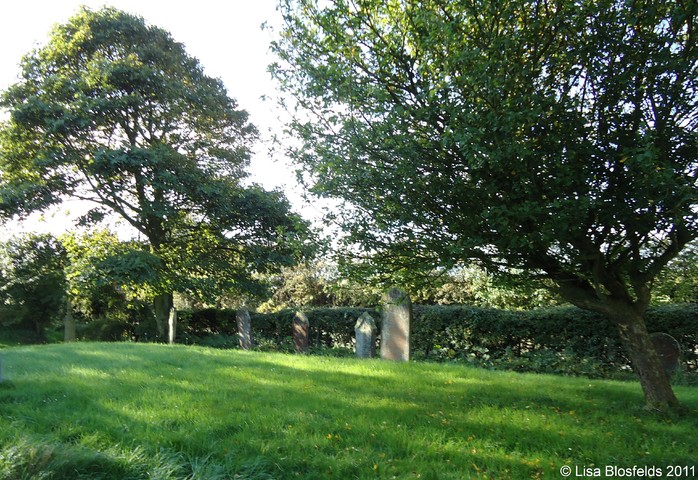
x: 114, y: 112
x: 551, y: 137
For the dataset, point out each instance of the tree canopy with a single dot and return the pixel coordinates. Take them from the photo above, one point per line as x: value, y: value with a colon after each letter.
x: 114, y: 112
x: 555, y: 139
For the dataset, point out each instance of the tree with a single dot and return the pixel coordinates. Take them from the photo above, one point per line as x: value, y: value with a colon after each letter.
x: 32, y: 281
x: 678, y: 283
x: 555, y: 138
x: 112, y: 111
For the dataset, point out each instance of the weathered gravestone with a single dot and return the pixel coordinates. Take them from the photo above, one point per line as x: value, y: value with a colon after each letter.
x: 668, y: 350
x: 301, y: 330
x: 172, y: 324
x: 244, y: 328
x: 365, y: 330
x: 395, y: 331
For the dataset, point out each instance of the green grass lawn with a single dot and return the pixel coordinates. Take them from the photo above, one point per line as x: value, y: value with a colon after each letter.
x: 144, y: 411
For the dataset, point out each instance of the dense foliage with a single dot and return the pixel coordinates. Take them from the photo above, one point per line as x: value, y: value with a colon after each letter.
x: 550, y: 139
x: 114, y: 112
x: 32, y: 282
x: 320, y: 284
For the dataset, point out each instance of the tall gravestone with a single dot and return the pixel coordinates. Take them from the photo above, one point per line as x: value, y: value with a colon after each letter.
x: 301, y: 332
x: 365, y: 330
x: 244, y: 328
x: 395, y: 331
x: 668, y: 350
x: 69, y: 327
x: 172, y: 326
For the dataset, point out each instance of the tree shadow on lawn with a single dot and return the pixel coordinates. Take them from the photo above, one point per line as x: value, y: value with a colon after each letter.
x: 237, y: 407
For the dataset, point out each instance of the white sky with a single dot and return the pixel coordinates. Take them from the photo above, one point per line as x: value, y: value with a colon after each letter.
x: 226, y: 37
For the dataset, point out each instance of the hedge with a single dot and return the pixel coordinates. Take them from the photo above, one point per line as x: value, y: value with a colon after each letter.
x: 564, y: 339
x: 329, y: 327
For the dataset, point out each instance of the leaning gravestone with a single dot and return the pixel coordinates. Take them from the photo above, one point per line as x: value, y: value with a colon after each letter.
x: 301, y: 330
x: 365, y: 330
x: 668, y: 350
x: 244, y: 328
x: 395, y: 332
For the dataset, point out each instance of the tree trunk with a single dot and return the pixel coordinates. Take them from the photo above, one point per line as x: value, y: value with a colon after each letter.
x: 69, y: 323
x: 162, y: 304
x: 645, y: 361
x: 40, y: 331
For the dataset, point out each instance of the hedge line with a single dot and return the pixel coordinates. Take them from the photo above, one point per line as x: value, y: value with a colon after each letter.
x: 329, y: 327
x: 565, y: 339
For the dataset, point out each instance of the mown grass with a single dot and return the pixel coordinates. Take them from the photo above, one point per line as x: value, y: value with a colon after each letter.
x: 137, y: 411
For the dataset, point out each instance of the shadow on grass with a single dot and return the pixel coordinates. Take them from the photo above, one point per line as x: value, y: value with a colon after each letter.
x: 280, y: 416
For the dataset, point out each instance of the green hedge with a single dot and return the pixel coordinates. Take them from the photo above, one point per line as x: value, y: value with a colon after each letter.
x: 560, y: 340
x: 560, y: 336
x: 329, y: 327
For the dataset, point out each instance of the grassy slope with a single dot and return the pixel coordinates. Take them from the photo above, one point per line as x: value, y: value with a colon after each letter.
x: 153, y: 411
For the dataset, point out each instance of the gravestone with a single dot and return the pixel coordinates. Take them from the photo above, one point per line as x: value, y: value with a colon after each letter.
x: 172, y: 326
x: 301, y: 330
x: 365, y: 330
x: 69, y: 323
x: 244, y: 328
x: 395, y: 331
x: 668, y: 350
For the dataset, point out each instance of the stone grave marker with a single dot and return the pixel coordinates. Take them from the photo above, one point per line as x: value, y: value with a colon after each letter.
x: 244, y: 328
x: 301, y: 331
x: 669, y: 351
x: 395, y: 332
x: 172, y: 324
x: 365, y: 331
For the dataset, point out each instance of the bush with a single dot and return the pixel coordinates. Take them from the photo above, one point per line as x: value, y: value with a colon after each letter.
x: 133, y: 320
x: 563, y: 340
x: 105, y: 330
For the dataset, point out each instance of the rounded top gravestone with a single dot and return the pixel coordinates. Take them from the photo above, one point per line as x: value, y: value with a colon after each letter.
x: 365, y: 333
x: 668, y: 350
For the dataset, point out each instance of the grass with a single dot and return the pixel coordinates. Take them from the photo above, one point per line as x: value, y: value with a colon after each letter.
x: 144, y: 411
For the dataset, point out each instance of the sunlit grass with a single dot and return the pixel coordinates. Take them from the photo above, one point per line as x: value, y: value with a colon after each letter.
x: 154, y: 411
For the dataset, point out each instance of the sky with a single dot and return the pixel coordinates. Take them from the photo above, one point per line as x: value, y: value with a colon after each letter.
x: 225, y: 35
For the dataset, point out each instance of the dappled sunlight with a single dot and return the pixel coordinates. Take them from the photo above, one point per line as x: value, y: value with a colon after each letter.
x: 333, y: 417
